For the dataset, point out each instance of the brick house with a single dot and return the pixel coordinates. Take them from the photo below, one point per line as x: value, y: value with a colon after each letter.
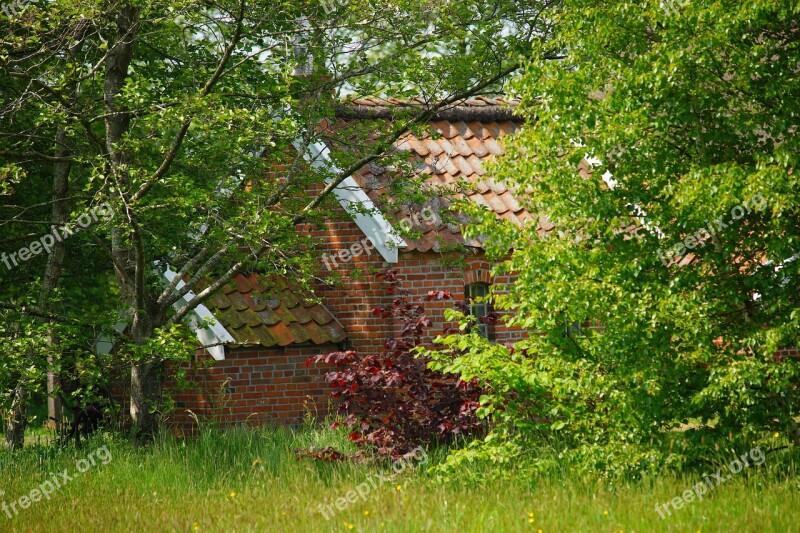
x: 266, y: 331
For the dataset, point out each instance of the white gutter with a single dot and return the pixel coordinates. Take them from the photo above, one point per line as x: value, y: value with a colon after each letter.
x: 104, y: 344
x: 350, y: 194
x: 211, y: 333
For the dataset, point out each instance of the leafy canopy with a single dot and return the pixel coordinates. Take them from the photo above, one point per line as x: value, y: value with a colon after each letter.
x: 657, y: 125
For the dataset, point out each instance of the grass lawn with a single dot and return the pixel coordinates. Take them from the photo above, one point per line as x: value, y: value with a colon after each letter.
x: 249, y: 480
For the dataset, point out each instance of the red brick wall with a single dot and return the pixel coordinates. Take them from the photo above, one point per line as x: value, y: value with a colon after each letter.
x: 253, y: 386
x: 273, y: 385
x: 793, y: 353
x: 350, y: 289
x: 353, y: 290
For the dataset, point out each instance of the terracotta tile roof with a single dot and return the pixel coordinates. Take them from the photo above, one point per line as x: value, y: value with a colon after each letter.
x: 461, y: 139
x: 263, y: 310
x: 257, y: 310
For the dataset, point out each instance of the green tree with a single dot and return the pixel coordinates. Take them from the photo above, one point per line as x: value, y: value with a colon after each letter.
x: 664, y: 149
x: 191, y: 120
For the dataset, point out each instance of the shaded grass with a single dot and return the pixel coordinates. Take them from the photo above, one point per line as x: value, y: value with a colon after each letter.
x: 249, y: 480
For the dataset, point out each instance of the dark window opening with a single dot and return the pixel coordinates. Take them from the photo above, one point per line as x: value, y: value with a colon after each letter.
x: 479, y: 307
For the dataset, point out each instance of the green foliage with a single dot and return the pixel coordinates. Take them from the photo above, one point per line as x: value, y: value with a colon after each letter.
x: 191, y: 119
x: 676, y: 120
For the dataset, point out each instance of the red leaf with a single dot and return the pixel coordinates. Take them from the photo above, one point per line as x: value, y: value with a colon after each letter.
x: 392, y: 400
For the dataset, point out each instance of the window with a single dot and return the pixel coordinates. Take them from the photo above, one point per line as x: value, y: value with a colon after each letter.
x: 573, y: 329
x: 476, y: 294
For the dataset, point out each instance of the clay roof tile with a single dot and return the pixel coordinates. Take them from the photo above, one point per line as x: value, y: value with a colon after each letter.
x: 272, y: 315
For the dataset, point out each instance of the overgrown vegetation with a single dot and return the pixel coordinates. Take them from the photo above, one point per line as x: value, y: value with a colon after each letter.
x: 249, y: 480
x: 660, y: 128
x: 193, y: 123
x: 662, y: 145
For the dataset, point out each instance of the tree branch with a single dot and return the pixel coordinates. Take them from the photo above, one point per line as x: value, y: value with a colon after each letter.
x: 34, y: 311
x: 383, y: 146
x: 37, y: 155
x: 176, y: 144
x: 378, y: 152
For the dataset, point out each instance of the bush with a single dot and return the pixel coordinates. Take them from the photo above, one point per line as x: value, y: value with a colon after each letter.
x: 392, y: 400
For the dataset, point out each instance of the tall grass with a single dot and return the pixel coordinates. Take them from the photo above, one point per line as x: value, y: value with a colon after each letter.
x: 249, y: 480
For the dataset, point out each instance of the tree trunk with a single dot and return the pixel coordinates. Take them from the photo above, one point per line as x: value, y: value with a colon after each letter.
x: 17, y: 415
x: 54, y: 407
x: 129, y: 258
x: 52, y: 274
x: 18, y: 418
x: 145, y: 384
x: 145, y: 400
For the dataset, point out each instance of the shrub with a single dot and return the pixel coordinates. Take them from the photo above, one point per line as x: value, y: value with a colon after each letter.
x: 392, y: 400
